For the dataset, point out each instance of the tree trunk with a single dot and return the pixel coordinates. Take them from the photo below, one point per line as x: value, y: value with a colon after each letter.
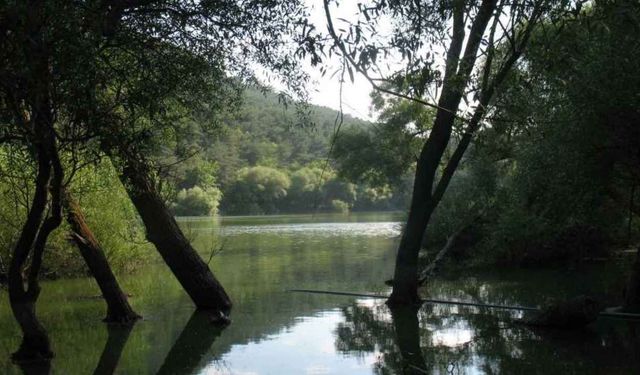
x: 118, y: 308
x: 35, y: 346
x: 162, y: 230
x: 424, y: 200
x: 632, y: 289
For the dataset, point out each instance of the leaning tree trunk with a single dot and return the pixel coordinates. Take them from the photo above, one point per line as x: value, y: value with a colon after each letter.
x: 162, y: 230
x: 632, y: 289
x: 118, y: 308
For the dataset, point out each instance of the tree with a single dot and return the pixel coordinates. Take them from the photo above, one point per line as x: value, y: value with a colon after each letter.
x: 257, y: 190
x: 84, y: 74
x: 118, y: 308
x: 475, y: 34
x: 574, y: 129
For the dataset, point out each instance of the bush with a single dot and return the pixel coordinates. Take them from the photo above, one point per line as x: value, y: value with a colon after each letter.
x: 256, y: 190
x: 339, y: 206
x: 197, y: 201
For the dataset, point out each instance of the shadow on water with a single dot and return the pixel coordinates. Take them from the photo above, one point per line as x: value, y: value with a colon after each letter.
x: 192, y: 345
x: 116, y: 341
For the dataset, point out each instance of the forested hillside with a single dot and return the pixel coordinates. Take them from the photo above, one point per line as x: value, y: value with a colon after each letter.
x: 267, y: 157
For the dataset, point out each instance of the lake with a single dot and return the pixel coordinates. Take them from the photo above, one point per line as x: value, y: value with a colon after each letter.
x: 274, y: 331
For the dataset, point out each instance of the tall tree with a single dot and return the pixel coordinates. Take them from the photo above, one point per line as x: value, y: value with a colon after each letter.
x: 31, y: 111
x: 454, y: 57
x: 165, y: 61
x: 70, y: 70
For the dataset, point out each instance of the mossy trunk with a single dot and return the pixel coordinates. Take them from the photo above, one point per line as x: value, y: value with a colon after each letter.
x: 118, y: 308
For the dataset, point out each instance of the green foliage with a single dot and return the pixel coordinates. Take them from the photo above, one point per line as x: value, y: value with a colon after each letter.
x: 257, y: 190
x: 264, y: 161
x: 384, y: 154
x: 339, y: 206
x: 111, y: 217
x: 552, y: 179
x: 196, y: 201
x: 106, y: 206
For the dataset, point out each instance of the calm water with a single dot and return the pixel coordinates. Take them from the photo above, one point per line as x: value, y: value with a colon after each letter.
x: 278, y: 332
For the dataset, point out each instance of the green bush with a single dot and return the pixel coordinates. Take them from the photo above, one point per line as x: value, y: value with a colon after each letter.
x: 256, y: 190
x: 197, y: 201
x: 339, y: 206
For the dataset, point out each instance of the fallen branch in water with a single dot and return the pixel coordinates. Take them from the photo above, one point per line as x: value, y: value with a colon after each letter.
x: 430, y: 269
x: 602, y: 314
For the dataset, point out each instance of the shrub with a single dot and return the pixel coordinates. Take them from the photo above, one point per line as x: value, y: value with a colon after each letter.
x: 197, y: 201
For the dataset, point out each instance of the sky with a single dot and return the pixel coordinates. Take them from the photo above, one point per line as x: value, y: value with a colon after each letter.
x: 325, y: 90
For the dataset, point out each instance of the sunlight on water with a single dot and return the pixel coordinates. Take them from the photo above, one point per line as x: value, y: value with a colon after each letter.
x: 376, y: 229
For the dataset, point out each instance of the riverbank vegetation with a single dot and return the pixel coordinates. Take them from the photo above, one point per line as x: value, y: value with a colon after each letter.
x: 508, y: 132
x: 551, y: 176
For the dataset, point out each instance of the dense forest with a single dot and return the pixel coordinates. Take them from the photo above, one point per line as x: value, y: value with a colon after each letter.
x: 504, y: 135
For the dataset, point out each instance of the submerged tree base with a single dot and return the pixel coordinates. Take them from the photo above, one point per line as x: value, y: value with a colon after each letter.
x: 33, y: 350
x: 218, y: 318
x: 397, y: 300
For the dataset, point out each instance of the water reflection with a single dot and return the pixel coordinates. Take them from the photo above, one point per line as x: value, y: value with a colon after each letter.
x: 428, y: 341
x: 407, y: 336
x: 275, y: 332
x: 117, y: 338
x: 192, y: 345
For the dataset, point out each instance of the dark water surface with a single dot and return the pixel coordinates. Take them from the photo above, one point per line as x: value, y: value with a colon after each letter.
x: 276, y: 332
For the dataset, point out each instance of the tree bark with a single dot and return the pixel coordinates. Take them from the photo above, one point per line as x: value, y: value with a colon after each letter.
x: 162, y: 230
x: 118, y: 308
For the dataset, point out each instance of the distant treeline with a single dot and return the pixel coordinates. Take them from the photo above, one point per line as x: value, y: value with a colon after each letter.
x: 268, y: 158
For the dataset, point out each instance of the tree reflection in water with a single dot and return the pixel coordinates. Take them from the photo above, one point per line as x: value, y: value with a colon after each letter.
x: 437, y: 340
x: 116, y: 341
x: 192, y: 345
